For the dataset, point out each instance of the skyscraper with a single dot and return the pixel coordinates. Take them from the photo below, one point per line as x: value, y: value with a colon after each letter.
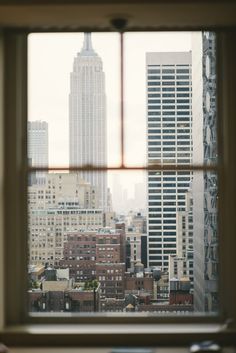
x: 169, y: 121
x: 38, y: 146
x: 87, y: 117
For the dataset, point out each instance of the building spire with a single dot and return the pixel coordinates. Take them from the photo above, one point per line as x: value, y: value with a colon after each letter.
x: 87, y: 48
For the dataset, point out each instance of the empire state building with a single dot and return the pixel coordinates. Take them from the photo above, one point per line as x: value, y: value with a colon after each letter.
x: 87, y: 117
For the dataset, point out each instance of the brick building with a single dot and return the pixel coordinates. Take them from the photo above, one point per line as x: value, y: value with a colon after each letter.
x: 109, y: 247
x: 111, y: 278
x: 136, y: 283
x: 79, y: 255
x: 110, y: 262
x: 100, y: 255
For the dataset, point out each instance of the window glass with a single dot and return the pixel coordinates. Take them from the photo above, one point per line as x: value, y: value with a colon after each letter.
x: 119, y: 220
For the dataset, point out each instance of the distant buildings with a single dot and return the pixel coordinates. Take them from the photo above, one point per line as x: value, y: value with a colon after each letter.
x: 169, y: 120
x: 123, y: 202
x: 48, y: 230
x: 62, y: 190
x: 62, y: 205
x: 87, y: 117
x: 139, y: 223
x: 38, y: 147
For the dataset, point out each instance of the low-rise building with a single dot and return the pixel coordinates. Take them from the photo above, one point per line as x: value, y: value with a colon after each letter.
x: 63, y: 296
x: 180, y: 291
x: 139, y: 283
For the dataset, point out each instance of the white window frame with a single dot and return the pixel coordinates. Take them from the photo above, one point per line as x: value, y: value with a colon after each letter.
x: 15, y: 325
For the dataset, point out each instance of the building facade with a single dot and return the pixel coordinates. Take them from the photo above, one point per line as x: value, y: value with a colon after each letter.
x: 181, y: 264
x: 110, y: 262
x: 134, y: 239
x: 49, y: 229
x: 62, y: 190
x: 63, y: 204
x: 87, y: 117
x: 100, y: 255
x: 205, y: 183
x: 79, y: 255
x: 169, y: 131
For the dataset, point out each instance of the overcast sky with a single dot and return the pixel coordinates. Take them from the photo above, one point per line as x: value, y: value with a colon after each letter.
x: 50, y: 63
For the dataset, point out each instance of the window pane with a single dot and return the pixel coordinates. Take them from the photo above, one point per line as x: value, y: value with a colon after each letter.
x: 182, y: 92
x: 157, y: 240
x: 74, y: 94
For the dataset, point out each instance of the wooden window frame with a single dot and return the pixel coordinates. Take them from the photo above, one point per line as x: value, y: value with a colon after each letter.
x: 17, y: 328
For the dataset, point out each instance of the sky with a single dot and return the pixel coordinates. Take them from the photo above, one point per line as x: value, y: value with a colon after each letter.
x: 50, y: 62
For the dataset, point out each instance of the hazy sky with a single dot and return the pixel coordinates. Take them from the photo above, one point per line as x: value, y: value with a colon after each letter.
x: 50, y: 63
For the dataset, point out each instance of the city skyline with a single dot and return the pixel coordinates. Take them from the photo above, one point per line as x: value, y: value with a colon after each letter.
x: 50, y: 103
x: 168, y: 254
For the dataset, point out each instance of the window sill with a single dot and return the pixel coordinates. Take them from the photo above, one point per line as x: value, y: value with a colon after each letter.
x: 105, y: 335
x: 103, y: 350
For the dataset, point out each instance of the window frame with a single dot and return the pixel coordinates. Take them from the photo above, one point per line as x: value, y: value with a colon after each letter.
x: 15, y: 254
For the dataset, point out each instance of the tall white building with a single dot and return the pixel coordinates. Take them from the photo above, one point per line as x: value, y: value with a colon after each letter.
x: 169, y: 125
x: 87, y: 117
x: 38, y: 146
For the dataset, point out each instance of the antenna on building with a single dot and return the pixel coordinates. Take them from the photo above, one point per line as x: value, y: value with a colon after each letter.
x: 87, y: 48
